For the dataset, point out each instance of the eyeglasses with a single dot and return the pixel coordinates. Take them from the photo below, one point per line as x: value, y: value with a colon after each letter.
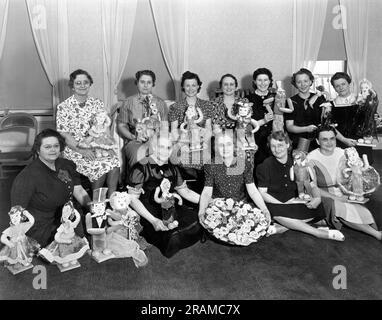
x: 84, y: 83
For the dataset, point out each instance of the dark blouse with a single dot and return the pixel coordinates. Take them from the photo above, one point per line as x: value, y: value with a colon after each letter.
x: 43, y: 192
x: 275, y: 176
x: 229, y: 182
x: 178, y: 110
x: 305, y: 116
x: 345, y: 117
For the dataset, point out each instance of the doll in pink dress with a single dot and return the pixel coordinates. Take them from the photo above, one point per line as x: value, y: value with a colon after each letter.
x: 19, y: 248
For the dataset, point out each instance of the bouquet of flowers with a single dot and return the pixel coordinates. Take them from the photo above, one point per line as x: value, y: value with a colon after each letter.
x: 235, y: 222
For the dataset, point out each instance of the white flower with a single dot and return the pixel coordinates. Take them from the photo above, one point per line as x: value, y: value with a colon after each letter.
x: 245, y: 228
x: 209, y: 211
x: 254, y: 235
x: 247, y: 207
x: 224, y: 230
x: 232, y: 237
x: 229, y: 202
x: 249, y: 222
x: 219, y: 203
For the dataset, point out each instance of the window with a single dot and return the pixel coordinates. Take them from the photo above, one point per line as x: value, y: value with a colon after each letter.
x: 324, y: 70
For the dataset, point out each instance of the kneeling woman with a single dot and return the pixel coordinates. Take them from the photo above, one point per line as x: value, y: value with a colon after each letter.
x: 143, y: 180
x: 230, y: 178
x: 279, y: 192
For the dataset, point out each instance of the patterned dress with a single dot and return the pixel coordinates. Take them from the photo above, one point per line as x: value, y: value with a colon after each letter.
x: 326, y: 168
x: 75, y: 119
x: 220, y: 116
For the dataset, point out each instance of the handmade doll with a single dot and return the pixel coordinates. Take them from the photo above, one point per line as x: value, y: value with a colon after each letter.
x: 191, y: 132
x: 96, y: 223
x: 151, y: 114
x: 303, y: 175
x: 67, y: 247
x: 356, y: 177
x: 245, y: 124
x: 19, y: 248
x: 167, y: 202
x: 123, y: 232
x: 279, y: 108
x: 366, y: 126
x: 98, y: 136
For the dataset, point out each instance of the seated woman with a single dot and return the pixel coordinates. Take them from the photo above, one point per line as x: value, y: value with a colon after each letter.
x: 279, y: 192
x: 230, y: 178
x: 45, y: 185
x: 262, y: 110
x: 141, y: 107
x: 325, y: 160
x: 74, y: 119
x: 143, y: 179
x: 306, y: 117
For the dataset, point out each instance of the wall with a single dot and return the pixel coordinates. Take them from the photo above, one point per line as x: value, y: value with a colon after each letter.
x: 239, y: 36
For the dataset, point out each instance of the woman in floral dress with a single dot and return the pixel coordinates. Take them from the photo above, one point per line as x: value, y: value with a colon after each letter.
x: 74, y: 117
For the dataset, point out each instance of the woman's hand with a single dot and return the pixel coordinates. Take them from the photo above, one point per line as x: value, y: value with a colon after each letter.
x: 311, y: 128
x: 267, y: 214
x: 268, y: 117
x: 201, y: 220
x: 158, y: 225
x: 350, y: 142
x: 87, y: 154
x: 313, y: 203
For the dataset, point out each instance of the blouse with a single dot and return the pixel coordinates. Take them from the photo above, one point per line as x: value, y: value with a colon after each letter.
x: 275, y: 176
x: 220, y: 116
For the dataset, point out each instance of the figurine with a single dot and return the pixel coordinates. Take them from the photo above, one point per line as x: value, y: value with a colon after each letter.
x: 123, y: 231
x: 366, y: 125
x: 19, y: 248
x: 167, y: 202
x: 96, y: 223
x: 191, y: 132
x: 279, y: 108
x: 152, y: 113
x: 303, y: 175
x: 245, y: 124
x: 98, y: 136
x: 356, y: 177
x: 66, y: 247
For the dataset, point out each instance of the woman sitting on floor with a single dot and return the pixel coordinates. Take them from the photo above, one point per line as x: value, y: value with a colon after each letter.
x: 325, y: 161
x: 143, y: 180
x: 280, y: 193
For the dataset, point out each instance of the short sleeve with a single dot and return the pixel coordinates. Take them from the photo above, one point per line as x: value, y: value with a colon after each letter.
x: 208, y: 175
x: 136, y: 177
x: 72, y: 168
x: 23, y: 188
x: 124, y: 115
x: 292, y: 115
x: 262, y: 174
x: 173, y: 114
x: 179, y: 182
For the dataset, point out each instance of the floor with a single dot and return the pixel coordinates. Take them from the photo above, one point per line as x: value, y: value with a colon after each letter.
x: 287, y: 266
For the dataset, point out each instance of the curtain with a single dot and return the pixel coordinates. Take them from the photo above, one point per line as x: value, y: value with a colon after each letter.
x: 4, y: 7
x: 49, y: 22
x: 118, y: 18
x: 308, y: 26
x: 354, y: 15
x: 171, y: 24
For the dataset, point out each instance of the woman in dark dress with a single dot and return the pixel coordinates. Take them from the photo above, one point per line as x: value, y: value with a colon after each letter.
x: 230, y: 176
x: 262, y: 111
x: 143, y: 179
x: 279, y: 192
x: 45, y: 185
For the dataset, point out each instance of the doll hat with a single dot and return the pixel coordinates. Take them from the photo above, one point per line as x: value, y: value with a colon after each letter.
x: 99, y: 195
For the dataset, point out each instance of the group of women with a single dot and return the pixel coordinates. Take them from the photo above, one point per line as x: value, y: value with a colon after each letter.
x: 259, y: 176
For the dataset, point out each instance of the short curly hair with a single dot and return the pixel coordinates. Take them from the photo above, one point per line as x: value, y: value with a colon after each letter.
x: 141, y: 73
x: 76, y: 73
x: 299, y: 72
x: 228, y: 75
x: 340, y: 75
x: 47, y: 133
x: 260, y: 71
x: 188, y: 76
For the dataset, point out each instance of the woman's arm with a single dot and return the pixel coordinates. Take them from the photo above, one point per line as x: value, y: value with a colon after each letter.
x: 124, y: 130
x: 73, y: 144
x: 347, y: 141
x: 291, y: 127
x: 138, y: 206
x: 81, y: 195
x: 267, y: 197
x: 255, y: 195
x: 189, y: 195
x: 205, y: 198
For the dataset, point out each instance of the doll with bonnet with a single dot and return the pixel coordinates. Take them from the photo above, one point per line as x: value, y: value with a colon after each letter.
x: 19, y: 248
x: 191, y: 132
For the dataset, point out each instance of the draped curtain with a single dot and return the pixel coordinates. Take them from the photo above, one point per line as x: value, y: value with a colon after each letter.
x: 308, y: 26
x: 4, y: 6
x: 117, y: 18
x: 354, y: 15
x: 171, y: 24
x: 49, y: 22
